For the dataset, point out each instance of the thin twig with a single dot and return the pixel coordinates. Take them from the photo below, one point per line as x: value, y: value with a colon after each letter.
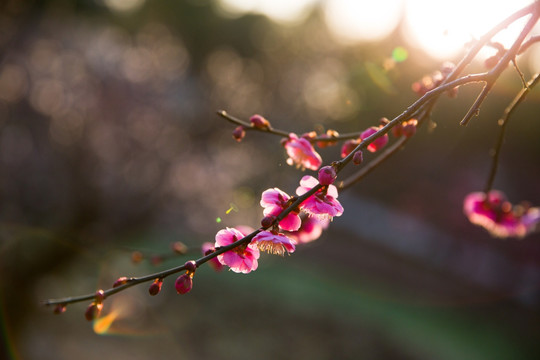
x: 503, y: 121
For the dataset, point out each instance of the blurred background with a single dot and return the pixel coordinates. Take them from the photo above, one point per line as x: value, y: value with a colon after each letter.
x: 109, y: 144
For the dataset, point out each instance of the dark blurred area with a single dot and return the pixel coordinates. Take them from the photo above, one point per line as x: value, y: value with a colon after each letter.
x: 110, y: 143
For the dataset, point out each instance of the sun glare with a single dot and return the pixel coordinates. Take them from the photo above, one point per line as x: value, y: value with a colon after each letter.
x: 442, y: 28
x: 362, y: 20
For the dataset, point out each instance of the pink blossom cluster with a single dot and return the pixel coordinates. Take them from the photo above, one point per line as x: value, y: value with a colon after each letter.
x: 498, y: 216
x: 301, y: 153
x: 280, y: 237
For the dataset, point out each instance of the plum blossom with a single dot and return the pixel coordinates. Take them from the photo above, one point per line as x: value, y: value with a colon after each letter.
x: 323, y: 204
x: 274, y: 243
x: 494, y: 213
x: 274, y: 201
x: 241, y: 259
x: 310, y: 230
x: 301, y: 153
x: 376, y: 144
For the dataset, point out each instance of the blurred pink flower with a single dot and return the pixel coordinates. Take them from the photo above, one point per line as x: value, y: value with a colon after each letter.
x: 310, y: 230
x: 274, y: 243
x: 208, y: 248
x: 494, y: 213
x: 301, y: 153
x: 378, y: 143
x: 243, y: 258
x: 323, y: 203
x: 274, y: 201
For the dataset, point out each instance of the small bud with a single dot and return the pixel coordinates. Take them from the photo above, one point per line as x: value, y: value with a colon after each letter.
x: 309, y: 135
x: 136, y: 257
x: 239, y: 133
x: 93, y: 311
x: 100, y: 296
x: 259, y: 122
x: 179, y: 247
x: 397, y: 130
x: 59, y: 309
x: 383, y: 121
x: 409, y: 128
x: 183, y: 284
x: 327, y: 175
x: 155, y: 288
x: 120, y: 281
x: 329, y: 134
x: 267, y: 221
x: 191, y: 266
x: 358, y: 157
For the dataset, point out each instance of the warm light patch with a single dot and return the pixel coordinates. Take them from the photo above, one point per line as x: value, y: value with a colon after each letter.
x: 103, y: 324
x: 362, y: 20
x: 443, y: 28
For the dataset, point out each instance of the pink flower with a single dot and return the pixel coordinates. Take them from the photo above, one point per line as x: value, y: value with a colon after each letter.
x: 301, y: 153
x: 349, y: 146
x: 323, y: 203
x: 273, y: 242
x: 241, y: 259
x: 494, y: 213
x: 377, y: 143
x: 310, y: 230
x: 274, y: 201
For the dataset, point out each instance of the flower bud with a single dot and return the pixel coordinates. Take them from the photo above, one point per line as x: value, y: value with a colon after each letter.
x: 183, y: 284
x: 59, y: 309
x: 93, y: 311
x: 349, y: 146
x: 191, y: 266
x: 100, y: 296
x: 376, y: 144
x: 358, y: 157
x: 397, y: 130
x: 120, y: 281
x: 259, y: 122
x: 155, y: 287
x: 239, y: 133
x: 409, y: 128
x: 327, y: 175
x: 267, y: 221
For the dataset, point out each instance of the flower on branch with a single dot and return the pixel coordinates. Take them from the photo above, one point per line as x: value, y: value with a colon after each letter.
x: 274, y: 201
x: 241, y: 259
x: 323, y: 204
x: 207, y: 249
x: 301, y: 153
x: 376, y: 144
x: 274, y: 242
x: 497, y: 215
x: 349, y: 146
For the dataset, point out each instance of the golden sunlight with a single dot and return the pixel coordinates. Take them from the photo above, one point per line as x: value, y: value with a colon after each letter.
x: 103, y: 324
x: 442, y: 28
x: 363, y: 20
